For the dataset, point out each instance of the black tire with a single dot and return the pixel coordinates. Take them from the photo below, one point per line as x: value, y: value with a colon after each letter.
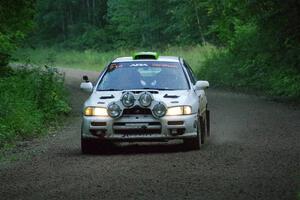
x: 88, y: 146
x: 203, y: 129
x: 194, y: 143
x: 208, y: 122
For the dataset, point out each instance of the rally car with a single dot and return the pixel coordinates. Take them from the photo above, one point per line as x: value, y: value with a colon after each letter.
x: 145, y: 97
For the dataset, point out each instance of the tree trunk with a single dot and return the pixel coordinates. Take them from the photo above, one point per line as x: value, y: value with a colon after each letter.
x: 94, y: 13
x: 199, y: 23
x: 71, y: 15
x: 88, y: 9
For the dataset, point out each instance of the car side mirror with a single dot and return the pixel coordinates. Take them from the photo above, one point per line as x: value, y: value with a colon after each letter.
x: 86, y: 86
x: 201, y: 85
x: 85, y: 78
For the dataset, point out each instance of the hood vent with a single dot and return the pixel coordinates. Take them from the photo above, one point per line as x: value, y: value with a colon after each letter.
x: 171, y: 96
x: 107, y: 97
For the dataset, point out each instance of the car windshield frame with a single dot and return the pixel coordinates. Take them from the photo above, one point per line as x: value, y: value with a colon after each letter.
x: 161, y: 65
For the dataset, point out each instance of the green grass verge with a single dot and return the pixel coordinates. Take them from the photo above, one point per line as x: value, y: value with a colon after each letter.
x: 85, y: 60
x: 31, y: 100
x: 255, y: 74
x: 96, y: 61
x: 246, y: 70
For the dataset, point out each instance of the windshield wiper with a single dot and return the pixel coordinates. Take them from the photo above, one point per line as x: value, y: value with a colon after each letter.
x: 111, y: 90
x: 156, y: 88
x: 145, y: 88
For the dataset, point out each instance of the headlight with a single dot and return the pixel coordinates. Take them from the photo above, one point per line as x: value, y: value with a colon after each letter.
x: 179, y: 110
x: 95, y: 111
x: 114, y: 110
x: 159, y: 110
x: 145, y: 99
x: 128, y: 99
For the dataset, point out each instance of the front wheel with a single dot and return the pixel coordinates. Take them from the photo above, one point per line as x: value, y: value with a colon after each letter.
x: 203, y: 129
x: 208, y: 122
x: 194, y: 143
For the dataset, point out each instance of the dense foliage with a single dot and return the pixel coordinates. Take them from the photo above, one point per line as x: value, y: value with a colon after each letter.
x: 30, y: 101
x: 262, y: 47
x: 258, y: 41
x: 107, y: 24
x: 76, y: 23
x: 15, y: 22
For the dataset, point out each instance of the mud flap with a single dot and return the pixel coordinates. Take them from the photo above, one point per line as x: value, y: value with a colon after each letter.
x: 202, y: 129
x: 208, y: 122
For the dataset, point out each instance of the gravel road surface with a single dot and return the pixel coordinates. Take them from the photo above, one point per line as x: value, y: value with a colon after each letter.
x: 253, y: 153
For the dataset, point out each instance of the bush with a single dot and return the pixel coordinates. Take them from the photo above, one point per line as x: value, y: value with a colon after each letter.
x: 30, y: 101
x: 249, y: 72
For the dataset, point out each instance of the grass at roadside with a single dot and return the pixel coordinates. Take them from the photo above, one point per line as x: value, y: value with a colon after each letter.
x: 224, y: 68
x: 255, y: 74
x: 95, y: 60
x: 31, y: 100
x: 86, y: 60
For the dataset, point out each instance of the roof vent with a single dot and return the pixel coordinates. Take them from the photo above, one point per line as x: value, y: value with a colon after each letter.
x: 145, y: 55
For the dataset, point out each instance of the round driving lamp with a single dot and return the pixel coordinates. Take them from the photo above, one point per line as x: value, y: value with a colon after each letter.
x: 159, y: 110
x: 114, y: 110
x: 128, y: 99
x: 145, y: 99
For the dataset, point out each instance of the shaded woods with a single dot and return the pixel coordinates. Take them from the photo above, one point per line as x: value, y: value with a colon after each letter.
x: 32, y: 99
x: 257, y: 41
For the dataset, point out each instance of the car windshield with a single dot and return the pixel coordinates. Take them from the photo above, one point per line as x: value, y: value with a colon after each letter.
x: 143, y: 75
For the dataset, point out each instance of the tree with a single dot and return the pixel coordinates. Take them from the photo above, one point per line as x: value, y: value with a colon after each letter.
x: 74, y: 23
x: 16, y: 22
x: 140, y: 23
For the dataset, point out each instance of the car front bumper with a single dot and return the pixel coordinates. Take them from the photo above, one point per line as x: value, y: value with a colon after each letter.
x: 140, y: 128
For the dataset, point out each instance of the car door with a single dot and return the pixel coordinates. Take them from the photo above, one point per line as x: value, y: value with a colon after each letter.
x: 200, y: 93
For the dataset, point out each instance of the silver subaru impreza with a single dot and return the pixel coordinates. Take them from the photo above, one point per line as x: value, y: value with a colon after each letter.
x: 145, y: 97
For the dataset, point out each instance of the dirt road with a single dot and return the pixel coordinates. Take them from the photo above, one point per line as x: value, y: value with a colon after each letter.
x: 253, y: 153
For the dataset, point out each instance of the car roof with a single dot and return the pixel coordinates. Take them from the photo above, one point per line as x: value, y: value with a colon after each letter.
x: 160, y: 58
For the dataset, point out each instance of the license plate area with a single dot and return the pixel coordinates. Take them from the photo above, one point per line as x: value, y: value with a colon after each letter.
x: 140, y: 128
x: 137, y: 125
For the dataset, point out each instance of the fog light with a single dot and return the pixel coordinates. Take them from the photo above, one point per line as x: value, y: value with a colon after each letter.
x: 128, y: 99
x: 173, y: 131
x: 159, y: 110
x: 98, y: 133
x: 177, y: 131
x: 145, y: 99
x: 114, y: 110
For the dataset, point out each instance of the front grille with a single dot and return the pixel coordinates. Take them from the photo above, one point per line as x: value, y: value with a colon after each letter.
x: 149, y: 123
x: 137, y: 132
x: 140, y: 128
x: 137, y: 111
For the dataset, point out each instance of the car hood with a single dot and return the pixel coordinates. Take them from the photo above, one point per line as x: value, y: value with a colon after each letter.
x: 169, y: 97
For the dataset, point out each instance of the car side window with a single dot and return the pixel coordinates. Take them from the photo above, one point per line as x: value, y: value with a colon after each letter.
x: 190, y: 72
